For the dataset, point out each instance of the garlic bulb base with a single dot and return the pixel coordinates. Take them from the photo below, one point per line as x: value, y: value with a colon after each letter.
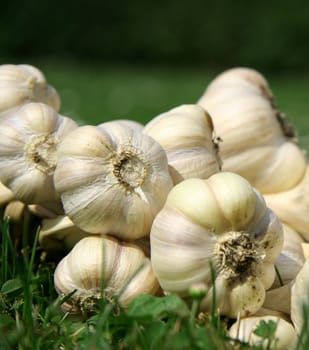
x: 237, y: 255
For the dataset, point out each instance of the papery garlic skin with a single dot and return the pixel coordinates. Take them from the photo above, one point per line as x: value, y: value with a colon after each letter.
x: 101, y: 266
x: 29, y: 139
x: 21, y: 84
x: 112, y: 179
x: 257, y: 142
x: 223, y: 224
x: 300, y: 298
x: 187, y: 135
x: 133, y: 124
x: 285, y: 337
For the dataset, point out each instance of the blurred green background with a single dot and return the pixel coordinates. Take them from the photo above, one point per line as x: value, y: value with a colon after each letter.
x: 135, y: 59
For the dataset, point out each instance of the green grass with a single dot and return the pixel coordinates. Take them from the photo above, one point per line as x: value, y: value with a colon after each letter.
x: 31, y: 315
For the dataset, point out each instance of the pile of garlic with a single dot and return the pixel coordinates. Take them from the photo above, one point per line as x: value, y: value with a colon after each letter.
x: 130, y: 209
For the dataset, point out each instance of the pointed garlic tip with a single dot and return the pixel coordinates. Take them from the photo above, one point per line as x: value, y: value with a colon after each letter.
x: 59, y: 234
x: 112, y: 179
x: 257, y: 141
x: 187, y: 135
x: 102, y: 267
x: 244, y: 76
x: 29, y: 140
x: 217, y: 227
x: 245, y: 329
x: 42, y: 211
x: 21, y: 84
x: 292, y: 205
x: 300, y: 300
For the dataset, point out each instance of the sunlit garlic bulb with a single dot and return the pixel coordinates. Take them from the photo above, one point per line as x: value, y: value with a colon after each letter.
x: 218, y: 228
x: 112, y: 179
x: 257, y: 142
x: 23, y: 83
x: 187, y: 135
x: 29, y: 139
x: 99, y: 266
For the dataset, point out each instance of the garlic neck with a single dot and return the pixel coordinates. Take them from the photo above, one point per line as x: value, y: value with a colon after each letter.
x: 237, y: 255
x: 129, y: 169
x: 41, y: 152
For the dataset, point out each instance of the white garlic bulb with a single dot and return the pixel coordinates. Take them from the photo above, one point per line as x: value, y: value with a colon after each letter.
x: 221, y: 223
x: 29, y: 139
x: 285, y: 337
x: 187, y: 135
x: 257, y: 142
x: 20, y: 84
x: 112, y: 179
x: 99, y: 266
x: 300, y: 298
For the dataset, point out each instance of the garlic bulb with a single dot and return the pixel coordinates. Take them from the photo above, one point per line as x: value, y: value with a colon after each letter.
x: 101, y: 266
x: 112, y: 179
x: 20, y: 84
x: 257, y: 142
x: 285, y: 337
x: 29, y: 140
x: 187, y: 135
x: 292, y: 205
x: 221, y: 223
x: 300, y: 298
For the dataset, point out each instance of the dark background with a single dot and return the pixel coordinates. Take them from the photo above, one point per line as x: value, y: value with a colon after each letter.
x: 268, y: 35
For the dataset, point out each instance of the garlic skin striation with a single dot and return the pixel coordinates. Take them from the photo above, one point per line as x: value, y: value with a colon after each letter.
x: 218, y: 226
x: 257, y: 142
x: 101, y: 266
x: 112, y: 179
x: 285, y: 337
x: 23, y: 83
x: 29, y: 139
x: 187, y: 135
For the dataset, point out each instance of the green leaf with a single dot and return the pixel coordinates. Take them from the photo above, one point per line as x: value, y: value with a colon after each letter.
x: 12, y: 286
x: 265, y: 329
x: 151, y: 307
